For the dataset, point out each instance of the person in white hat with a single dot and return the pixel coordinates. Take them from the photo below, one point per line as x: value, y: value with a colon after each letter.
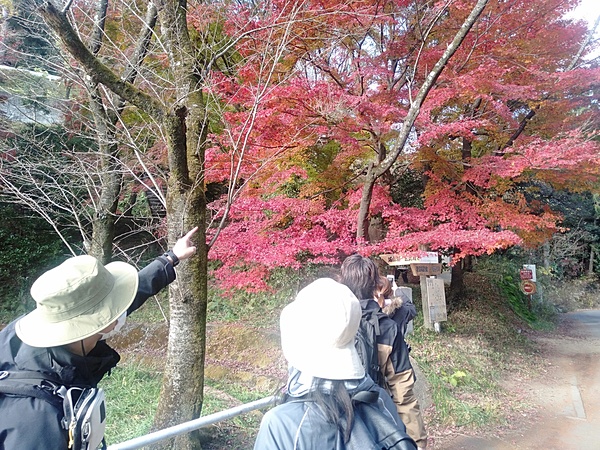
x: 318, y: 331
x: 79, y: 304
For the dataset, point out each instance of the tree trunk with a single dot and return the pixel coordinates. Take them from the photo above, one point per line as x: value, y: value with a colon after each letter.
x: 183, y: 379
x: 105, y: 119
x: 184, y: 126
x: 362, y: 228
x: 457, y: 286
x: 103, y: 225
x: 185, y: 129
x: 546, y: 252
x: 467, y: 263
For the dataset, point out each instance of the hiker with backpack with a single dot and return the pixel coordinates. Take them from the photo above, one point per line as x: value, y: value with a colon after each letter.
x: 395, y: 304
x: 53, y: 357
x: 328, y: 402
x: 393, y: 369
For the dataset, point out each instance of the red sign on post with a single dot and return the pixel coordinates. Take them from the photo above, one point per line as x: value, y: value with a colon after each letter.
x: 526, y: 274
x: 528, y: 287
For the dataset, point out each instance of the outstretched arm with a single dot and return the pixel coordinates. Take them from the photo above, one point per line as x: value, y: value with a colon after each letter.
x: 158, y: 274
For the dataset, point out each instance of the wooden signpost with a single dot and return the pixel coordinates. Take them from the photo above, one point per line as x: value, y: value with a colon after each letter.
x: 433, y: 296
x: 436, y: 299
x: 528, y: 278
x: 427, y: 269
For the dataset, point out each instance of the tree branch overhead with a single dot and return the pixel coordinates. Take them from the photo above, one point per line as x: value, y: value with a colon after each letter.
x: 96, y: 70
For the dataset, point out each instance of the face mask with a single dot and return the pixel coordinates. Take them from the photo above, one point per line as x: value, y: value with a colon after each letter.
x: 116, y: 329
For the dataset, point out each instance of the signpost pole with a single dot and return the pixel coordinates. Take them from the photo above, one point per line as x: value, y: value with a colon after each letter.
x: 436, y: 301
x: 425, y: 302
x: 427, y: 268
x: 425, y: 294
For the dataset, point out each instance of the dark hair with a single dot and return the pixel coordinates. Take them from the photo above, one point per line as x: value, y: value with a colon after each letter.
x: 336, y: 404
x: 332, y: 398
x: 361, y: 275
x: 384, y: 290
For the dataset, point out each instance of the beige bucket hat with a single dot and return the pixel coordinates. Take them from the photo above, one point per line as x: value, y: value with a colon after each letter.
x: 318, y: 330
x: 76, y: 300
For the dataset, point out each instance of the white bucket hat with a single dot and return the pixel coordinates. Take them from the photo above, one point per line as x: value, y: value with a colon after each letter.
x: 318, y: 331
x: 76, y: 300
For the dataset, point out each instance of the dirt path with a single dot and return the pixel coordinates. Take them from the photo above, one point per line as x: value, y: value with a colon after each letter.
x: 568, y: 395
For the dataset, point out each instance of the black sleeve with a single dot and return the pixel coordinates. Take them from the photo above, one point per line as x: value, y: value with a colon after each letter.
x: 152, y: 278
x: 411, y: 310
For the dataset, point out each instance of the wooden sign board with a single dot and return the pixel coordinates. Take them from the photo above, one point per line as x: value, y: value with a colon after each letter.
x: 532, y: 268
x: 394, y: 259
x: 426, y: 269
x: 436, y: 297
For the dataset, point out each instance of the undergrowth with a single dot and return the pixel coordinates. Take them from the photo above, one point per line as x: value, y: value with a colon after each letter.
x: 480, y: 343
x: 262, y: 308
x: 504, y: 274
x: 132, y: 393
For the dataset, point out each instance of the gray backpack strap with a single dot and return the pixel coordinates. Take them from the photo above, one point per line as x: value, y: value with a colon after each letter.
x: 29, y: 383
x: 85, y: 418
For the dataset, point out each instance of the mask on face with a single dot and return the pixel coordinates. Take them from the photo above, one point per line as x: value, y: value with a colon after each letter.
x: 116, y: 329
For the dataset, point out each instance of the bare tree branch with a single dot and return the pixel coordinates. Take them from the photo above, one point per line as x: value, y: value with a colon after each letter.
x: 584, y: 44
x: 98, y: 72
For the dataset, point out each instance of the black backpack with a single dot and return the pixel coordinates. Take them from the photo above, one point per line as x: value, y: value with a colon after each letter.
x: 366, y: 345
x: 83, y: 408
x: 373, y: 429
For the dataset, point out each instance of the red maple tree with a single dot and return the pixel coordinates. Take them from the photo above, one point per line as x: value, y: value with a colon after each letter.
x: 513, y: 107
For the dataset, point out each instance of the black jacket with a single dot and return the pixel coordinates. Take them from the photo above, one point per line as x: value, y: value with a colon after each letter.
x: 28, y: 423
x: 392, y: 350
x: 402, y: 311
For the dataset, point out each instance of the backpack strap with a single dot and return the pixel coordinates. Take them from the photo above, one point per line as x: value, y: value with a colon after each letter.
x: 29, y: 383
x: 373, y: 317
x: 83, y: 408
x: 372, y: 364
x: 85, y: 418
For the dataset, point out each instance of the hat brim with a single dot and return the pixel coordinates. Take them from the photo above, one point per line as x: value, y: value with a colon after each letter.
x: 329, y: 363
x: 318, y: 331
x: 34, y: 330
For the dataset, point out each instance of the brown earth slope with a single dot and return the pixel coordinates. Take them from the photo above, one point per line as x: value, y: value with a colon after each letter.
x: 566, y: 394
